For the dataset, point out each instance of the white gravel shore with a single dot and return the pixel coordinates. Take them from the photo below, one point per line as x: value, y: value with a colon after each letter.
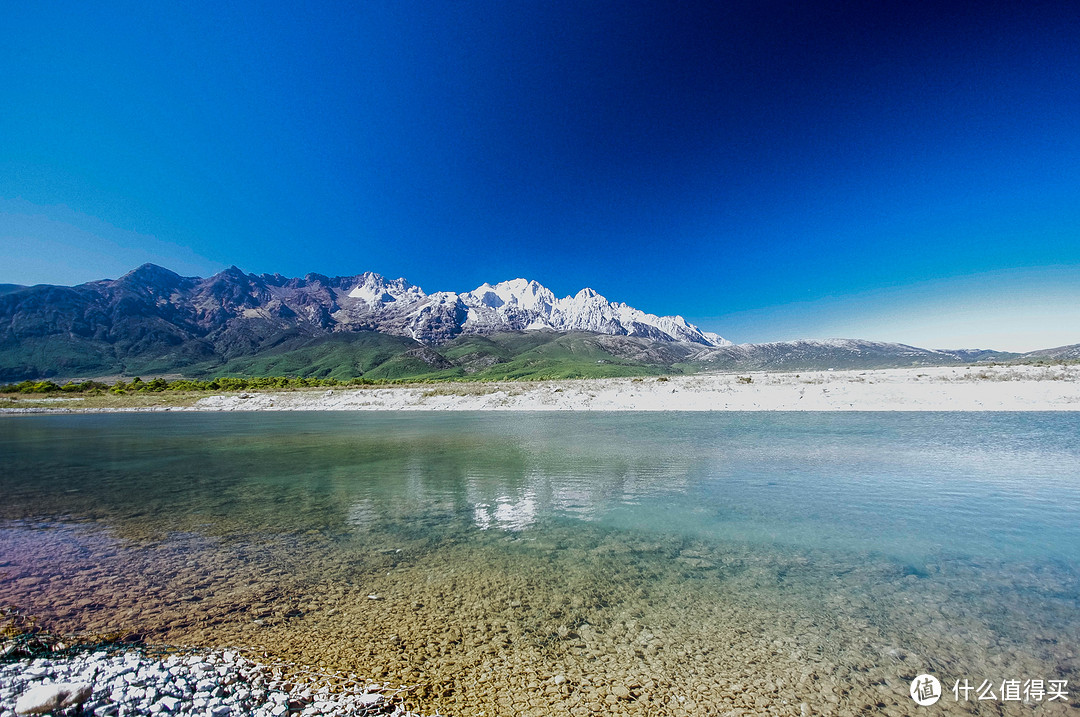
x: 218, y: 683
x: 998, y: 388
x: 962, y: 388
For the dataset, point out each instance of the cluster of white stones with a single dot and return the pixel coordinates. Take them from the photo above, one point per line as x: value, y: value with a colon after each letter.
x: 208, y: 684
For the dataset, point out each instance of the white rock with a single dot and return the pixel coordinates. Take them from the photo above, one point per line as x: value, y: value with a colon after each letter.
x: 49, y: 698
x: 369, y: 698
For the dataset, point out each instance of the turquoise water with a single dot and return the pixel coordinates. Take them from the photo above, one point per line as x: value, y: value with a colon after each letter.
x: 913, y: 486
x: 870, y: 544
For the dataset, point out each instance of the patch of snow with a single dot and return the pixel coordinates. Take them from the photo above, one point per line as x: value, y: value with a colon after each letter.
x: 521, y: 304
x: 375, y: 290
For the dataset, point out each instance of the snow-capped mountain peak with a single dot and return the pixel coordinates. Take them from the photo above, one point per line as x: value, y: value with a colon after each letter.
x: 586, y: 294
x: 520, y: 305
x: 520, y: 293
x: 374, y: 289
x: 716, y: 339
x: 396, y: 306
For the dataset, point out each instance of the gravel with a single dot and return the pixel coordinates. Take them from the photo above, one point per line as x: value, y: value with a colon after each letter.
x: 209, y: 684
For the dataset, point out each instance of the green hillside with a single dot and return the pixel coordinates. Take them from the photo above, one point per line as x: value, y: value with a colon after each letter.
x: 378, y: 356
x: 532, y: 355
x: 340, y: 356
x: 368, y: 354
x: 549, y: 355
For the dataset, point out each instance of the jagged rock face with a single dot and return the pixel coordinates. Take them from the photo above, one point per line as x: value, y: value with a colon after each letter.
x: 397, y: 307
x: 522, y: 305
x: 429, y: 356
x: 152, y: 310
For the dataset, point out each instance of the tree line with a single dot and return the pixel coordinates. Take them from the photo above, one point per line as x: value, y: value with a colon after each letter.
x: 158, y: 385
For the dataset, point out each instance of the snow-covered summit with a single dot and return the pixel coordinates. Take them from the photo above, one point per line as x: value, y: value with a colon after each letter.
x: 374, y: 289
x: 518, y: 293
x: 521, y: 305
x: 396, y: 306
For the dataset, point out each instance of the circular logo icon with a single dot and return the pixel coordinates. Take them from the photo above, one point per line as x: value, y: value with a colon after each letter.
x: 925, y: 690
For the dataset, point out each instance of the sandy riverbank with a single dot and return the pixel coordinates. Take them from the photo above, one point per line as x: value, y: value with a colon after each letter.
x: 1002, y: 388
x: 967, y: 388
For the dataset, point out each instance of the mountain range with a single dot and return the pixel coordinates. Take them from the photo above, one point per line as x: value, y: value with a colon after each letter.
x: 154, y: 321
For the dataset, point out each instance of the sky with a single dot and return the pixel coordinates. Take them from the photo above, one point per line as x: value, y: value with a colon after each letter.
x: 892, y: 170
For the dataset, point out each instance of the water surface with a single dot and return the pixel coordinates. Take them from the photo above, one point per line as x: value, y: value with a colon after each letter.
x: 568, y: 563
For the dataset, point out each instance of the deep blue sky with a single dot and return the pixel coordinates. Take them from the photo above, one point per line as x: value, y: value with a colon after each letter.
x: 769, y: 170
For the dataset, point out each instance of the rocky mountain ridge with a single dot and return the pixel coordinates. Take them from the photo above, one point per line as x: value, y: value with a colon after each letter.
x: 153, y: 321
x: 152, y: 312
x: 517, y: 305
x: 317, y: 303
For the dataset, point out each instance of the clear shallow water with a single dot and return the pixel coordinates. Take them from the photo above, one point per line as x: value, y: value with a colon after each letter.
x: 725, y: 561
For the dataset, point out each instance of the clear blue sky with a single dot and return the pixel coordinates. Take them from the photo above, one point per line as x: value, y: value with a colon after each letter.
x: 900, y: 170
